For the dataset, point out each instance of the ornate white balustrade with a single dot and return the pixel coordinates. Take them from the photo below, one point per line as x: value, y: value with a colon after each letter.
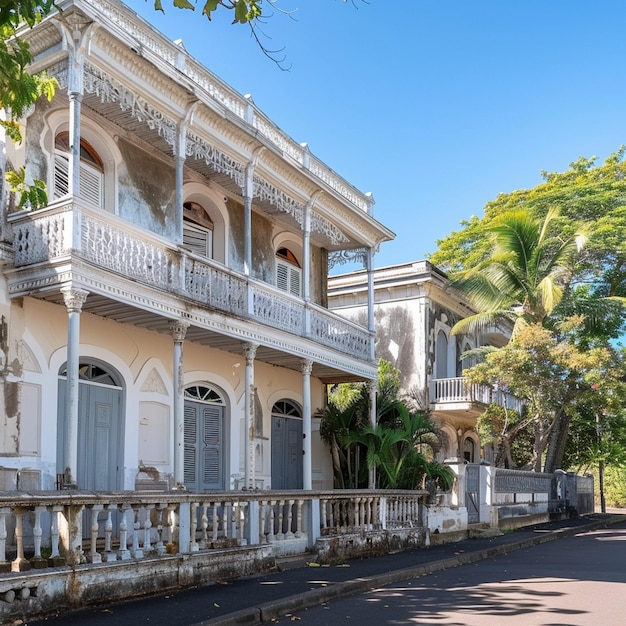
x: 69, y: 230
x: 456, y: 390
x: 344, y: 512
x: 74, y: 528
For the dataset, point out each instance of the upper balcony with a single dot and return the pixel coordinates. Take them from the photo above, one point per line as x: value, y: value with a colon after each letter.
x: 455, y: 397
x: 135, y: 276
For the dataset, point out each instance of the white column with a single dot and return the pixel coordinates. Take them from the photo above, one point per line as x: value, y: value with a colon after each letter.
x: 307, y: 462
x: 249, y: 352
x: 248, y: 192
x: 372, y: 386
x: 180, y: 163
x: 74, y: 300
x: 76, y: 43
x: 370, y: 302
x: 179, y: 329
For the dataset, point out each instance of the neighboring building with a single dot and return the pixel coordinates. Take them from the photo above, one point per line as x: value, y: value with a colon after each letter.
x: 179, y: 217
x: 415, y: 310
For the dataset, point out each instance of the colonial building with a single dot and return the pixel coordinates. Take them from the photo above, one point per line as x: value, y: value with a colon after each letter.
x: 415, y: 310
x: 164, y: 319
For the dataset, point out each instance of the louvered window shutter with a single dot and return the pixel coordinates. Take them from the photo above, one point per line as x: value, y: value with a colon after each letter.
x: 288, y: 278
x: 91, y: 180
x: 197, y: 239
x: 61, y: 174
x: 212, y: 449
x: 91, y: 184
x: 191, y: 425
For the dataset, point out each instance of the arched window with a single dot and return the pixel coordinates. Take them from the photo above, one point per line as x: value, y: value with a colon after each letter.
x: 441, y: 355
x: 287, y: 408
x: 288, y: 272
x: 197, y: 230
x: 91, y: 170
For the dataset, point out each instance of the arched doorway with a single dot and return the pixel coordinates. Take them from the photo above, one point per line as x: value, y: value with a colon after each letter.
x: 100, y: 426
x: 286, y: 445
x: 204, y: 433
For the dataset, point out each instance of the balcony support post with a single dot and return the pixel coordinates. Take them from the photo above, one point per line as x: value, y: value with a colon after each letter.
x: 306, y: 367
x: 371, y: 321
x: 74, y: 300
x: 76, y: 42
x: 306, y: 261
x: 249, y: 352
x: 179, y: 329
x: 372, y: 385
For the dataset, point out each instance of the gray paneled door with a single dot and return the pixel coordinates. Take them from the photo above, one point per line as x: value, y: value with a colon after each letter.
x: 100, y: 433
x: 286, y: 448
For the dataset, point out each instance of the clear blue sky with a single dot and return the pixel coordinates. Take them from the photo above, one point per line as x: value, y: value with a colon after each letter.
x: 434, y: 106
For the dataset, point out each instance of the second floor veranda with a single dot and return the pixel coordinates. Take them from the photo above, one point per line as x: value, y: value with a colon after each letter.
x: 137, y: 277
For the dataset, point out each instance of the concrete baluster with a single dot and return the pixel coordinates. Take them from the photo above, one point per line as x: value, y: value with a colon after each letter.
x: 147, y: 529
x: 124, y: 553
x: 5, y: 566
x: 109, y: 554
x: 136, y: 551
x: 193, y: 544
x: 94, y: 556
x: 20, y: 564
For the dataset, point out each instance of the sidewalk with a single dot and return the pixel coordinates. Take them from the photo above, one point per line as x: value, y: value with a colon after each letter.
x: 263, y: 598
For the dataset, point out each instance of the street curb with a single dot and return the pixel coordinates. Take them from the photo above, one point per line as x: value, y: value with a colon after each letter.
x: 271, y: 611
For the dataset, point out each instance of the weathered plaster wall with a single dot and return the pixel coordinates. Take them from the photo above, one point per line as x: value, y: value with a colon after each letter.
x: 146, y: 190
x: 263, y: 257
x: 236, y: 235
x: 36, y: 160
x: 144, y: 361
x: 319, y: 276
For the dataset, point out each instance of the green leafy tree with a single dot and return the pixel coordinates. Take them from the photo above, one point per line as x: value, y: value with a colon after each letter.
x: 587, y: 193
x: 558, y: 382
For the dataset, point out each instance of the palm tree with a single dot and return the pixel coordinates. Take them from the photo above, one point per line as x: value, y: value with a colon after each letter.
x: 523, y: 281
x: 526, y: 275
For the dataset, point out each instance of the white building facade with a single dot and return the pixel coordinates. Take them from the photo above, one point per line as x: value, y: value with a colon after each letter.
x: 415, y: 311
x: 164, y: 320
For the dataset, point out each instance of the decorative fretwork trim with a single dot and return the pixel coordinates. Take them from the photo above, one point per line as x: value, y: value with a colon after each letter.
x: 110, y: 90
x: 221, y: 163
x: 99, y: 83
x: 341, y: 257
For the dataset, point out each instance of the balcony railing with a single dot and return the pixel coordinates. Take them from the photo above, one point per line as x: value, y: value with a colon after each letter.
x: 458, y: 390
x: 68, y: 229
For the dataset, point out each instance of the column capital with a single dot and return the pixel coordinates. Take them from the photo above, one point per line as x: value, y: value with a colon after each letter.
x: 372, y: 385
x: 179, y: 330
x: 306, y: 367
x: 249, y: 351
x: 74, y: 298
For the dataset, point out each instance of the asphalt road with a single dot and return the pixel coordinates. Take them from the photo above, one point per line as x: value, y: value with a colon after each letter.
x: 576, y: 581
